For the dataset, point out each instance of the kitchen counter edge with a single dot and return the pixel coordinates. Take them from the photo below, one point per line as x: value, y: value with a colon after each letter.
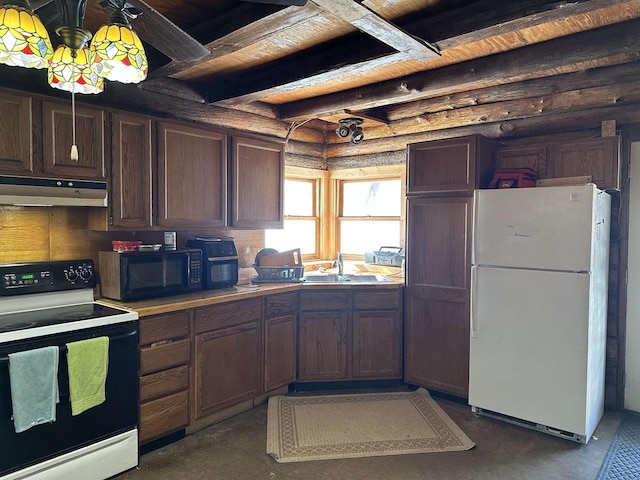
x: 203, y: 298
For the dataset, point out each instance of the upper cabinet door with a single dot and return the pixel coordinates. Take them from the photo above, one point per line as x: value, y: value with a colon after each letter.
x: 192, y: 173
x: 58, y: 138
x: 257, y: 183
x: 597, y: 157
x: 528, y: 156
x: 16, y: 154
x: 131, y: 172
x: 455, y: 165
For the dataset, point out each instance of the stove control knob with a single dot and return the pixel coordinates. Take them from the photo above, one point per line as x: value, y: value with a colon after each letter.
x: 71, y: 275
x: 85, y: 273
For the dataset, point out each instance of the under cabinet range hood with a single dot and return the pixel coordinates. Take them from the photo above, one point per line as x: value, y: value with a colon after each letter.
x: 35, y: 191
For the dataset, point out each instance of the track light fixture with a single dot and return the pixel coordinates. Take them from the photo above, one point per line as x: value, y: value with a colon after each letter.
x: 350, y: 126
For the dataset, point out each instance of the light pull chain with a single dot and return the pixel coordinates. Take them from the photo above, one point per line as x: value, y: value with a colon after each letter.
x: 74, y: 147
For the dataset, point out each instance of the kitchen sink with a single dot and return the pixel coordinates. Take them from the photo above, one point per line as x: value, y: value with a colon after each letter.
x: 347, y: 278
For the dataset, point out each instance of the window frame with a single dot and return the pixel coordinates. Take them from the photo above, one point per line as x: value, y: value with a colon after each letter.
x: 339, y: 177
x: 318, y: 179
x: 327, y: 203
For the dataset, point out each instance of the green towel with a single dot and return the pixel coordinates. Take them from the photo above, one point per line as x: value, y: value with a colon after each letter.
x: 88, y: 362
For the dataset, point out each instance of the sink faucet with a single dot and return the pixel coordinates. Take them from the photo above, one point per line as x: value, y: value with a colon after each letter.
x: 340, y: 264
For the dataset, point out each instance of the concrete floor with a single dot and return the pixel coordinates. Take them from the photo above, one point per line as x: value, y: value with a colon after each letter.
x: 235, y: 450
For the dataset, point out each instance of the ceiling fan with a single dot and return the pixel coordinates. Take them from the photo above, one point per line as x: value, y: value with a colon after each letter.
x: 153, y: 27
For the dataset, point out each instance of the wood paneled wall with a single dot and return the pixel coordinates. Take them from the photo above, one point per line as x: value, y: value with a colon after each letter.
x: 43, y: 233
x: 29, y: 234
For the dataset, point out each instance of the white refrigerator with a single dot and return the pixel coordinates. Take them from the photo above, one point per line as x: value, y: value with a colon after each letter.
x: 540, y: 262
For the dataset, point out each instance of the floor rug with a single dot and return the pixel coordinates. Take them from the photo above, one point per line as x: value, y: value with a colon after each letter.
x: 623, y: 459
x: 359, y: 425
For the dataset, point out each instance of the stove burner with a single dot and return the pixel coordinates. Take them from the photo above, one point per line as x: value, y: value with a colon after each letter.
x: 16, y: 326
x: 29, y: 319
x: 72, y: 316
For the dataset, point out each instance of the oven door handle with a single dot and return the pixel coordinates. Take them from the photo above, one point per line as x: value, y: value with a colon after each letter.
x: 63, y: 348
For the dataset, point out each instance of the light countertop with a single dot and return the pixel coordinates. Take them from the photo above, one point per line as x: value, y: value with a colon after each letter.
x: 203, y: 298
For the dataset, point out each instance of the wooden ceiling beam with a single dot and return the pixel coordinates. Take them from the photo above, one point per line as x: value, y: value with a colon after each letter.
x: 596, y: 77
x: 243, y: 37
x: 481, y: 19
x: 531, y: 126
x: 166, y: 36
x: 514, y: 109
x: 325, y: 57
x: 283, y: 78
x: 542, y: 59
x: 371, y: 23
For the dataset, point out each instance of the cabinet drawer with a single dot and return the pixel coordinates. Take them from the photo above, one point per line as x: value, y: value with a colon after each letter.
x: 377, y: 299
x: 164, y: 356
x: 227, y: 314
x: 279, y: 305
x: 164, y: 327
x: 164, y: 383
x: 324, y: 300
x: 163, y: 416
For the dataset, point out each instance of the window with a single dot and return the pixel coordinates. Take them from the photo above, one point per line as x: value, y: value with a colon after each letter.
x: 347, y: 210
x: 301, y: 218
x: 370, y: 214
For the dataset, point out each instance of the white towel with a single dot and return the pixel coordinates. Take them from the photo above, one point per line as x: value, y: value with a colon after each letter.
x: 33, y: 375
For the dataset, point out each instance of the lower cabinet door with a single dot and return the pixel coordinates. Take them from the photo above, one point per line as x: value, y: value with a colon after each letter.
x: 323, y: 346
x: 280, y: 352
x: 227, y: 367
x: 377, y: 345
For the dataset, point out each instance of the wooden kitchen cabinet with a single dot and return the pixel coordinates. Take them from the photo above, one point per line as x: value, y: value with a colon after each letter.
x: 131, y: 187
x: 192, y: 176
x: 16, y: 135
x: 280, y: 340
x: 58, y: 137
x: 353, y: 334
x: 437, y: 293
x: 324, y: 340
x: 165, y: 353
x: 455, y: 165
x: 228, y: 355
x: 439, y: 229
x: 597, y: 157
x: 377, y: 334
x: 257, y: 183
x: 528, y: 156
x: 324, y: 337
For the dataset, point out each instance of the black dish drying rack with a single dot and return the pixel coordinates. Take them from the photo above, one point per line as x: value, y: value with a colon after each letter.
x: 278, y: 274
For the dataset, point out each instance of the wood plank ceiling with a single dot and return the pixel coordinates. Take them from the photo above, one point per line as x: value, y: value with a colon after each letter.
x: 404, y: 66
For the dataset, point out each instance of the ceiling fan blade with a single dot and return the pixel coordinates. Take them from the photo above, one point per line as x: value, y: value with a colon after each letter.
x: 297, y: 3
x: 47, y: 11
x: 165, y: 36
x: 36, y: 4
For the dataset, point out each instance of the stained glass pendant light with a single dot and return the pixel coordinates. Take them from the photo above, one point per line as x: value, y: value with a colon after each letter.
x: 70, y: 70
x: 116, y: 52
x: 24, y: 41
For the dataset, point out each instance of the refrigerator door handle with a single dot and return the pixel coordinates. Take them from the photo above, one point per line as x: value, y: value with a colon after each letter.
x: 472, y: 305
x: 474, y: 228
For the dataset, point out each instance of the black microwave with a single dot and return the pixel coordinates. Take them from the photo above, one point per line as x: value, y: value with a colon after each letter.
x: 130, y: 276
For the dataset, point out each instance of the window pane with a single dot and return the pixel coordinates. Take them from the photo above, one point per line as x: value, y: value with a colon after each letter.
x: 296, y: 234
x: 381, y: 198
x: 357, y: 236
x: 298, y: 198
